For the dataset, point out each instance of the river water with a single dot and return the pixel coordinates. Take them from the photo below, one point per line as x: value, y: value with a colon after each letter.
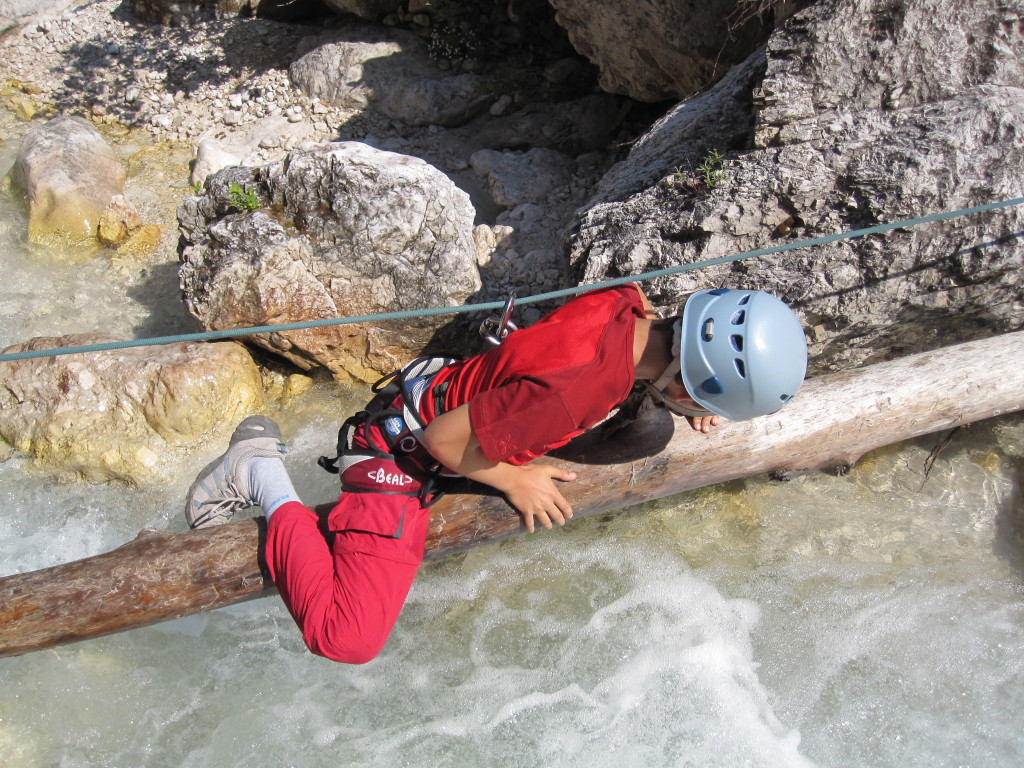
x: 875, y: 619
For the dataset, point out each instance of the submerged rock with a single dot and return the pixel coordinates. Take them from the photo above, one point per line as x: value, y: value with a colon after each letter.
x: 73, y: 183
x: 341, y: 229
x: 867, y: 113
x: 126, y: 414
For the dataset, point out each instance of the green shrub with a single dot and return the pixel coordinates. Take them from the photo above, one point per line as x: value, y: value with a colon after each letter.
x: 245, y: 200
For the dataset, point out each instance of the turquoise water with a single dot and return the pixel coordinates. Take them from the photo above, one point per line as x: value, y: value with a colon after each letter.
x: 868, y: 620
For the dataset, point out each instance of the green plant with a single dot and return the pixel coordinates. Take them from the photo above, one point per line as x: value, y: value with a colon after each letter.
x: 710, y: 170
x: 243, y: 199
x: 197, y: 188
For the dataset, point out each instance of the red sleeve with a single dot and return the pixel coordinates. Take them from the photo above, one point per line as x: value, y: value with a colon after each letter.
x: 523, y: 416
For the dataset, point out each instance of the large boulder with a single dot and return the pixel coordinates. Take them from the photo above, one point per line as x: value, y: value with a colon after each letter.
x: 21, y: 13
x: 124, y: 415
x: 74, y: 185
x: 185, y: 12
x: 869, y: 112
x: 390, y: 71
x: 661, y: 49
x: 370, y: 10
x: 344, y: 230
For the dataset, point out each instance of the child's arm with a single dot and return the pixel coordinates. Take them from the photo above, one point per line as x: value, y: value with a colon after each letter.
x: 649, y: 312
x: 450, y: 440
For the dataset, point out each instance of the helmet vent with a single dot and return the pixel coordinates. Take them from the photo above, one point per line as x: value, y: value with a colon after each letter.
x: 785, y: 398
x: 744, y: 300
x: 739, y: 317
x: 741, y: 369
x: 737, y: 342
x: 712, y: 386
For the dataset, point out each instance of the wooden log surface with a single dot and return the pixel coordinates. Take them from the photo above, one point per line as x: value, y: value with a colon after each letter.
x: 834, y: 420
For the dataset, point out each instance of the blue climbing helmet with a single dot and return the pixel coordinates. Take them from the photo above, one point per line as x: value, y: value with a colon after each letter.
x: 740, y: 353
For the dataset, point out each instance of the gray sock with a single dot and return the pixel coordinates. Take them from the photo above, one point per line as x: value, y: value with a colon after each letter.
x: 270, y: 485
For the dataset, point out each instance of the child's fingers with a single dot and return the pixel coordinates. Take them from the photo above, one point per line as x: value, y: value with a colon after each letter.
x: 566, y: 475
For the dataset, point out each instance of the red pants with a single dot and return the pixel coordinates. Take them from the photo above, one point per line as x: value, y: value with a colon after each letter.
x: 346, y: 597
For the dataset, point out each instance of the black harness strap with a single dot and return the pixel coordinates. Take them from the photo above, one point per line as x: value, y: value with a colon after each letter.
x: 378, y: 410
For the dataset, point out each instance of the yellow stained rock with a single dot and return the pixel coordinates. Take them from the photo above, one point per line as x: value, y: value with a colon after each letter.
x: 142, y: 242
x: 23, y: 107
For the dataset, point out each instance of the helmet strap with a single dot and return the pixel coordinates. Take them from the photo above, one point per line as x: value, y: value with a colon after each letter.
x: 668, y: 374
x: 657, y: 389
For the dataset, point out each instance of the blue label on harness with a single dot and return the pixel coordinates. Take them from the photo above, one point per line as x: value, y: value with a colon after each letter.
x: 394, y: 426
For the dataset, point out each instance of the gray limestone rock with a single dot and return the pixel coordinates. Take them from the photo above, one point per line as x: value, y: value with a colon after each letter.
x: 344, y: 230
x: 387, y: 70
x: 660, y: 49
x: 869, y: 113
x: 515, y: 178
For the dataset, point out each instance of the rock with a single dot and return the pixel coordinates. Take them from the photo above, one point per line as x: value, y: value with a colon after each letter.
x: 573, y: 127
x: 834, y: 150
x: 899, y: 56
x: 17, y: 13
x: 270, y: 132
x: 142, y: 242
x: 515, y: 178
x: 125, y: 415
x: 371, y: 10
x: 118, y: 220
x: 721, y: 118
x: 660, y: 49
x: 210, y: 158
x: 390, y: 71
x: 186, y: 12
x: 350, y: 230
x: 70, y: 176
x: 23, y: 107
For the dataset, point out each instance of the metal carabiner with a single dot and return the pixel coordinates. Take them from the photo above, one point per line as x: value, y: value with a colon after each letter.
x: 496, y: 327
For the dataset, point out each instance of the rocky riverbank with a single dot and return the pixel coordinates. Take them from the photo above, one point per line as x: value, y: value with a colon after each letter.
x: 854, y: 113
x: 221, y: 89
x: 177, y: 103
x: 217, y: 78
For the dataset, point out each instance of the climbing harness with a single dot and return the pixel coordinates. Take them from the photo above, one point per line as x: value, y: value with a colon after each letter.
x: 380, y: 448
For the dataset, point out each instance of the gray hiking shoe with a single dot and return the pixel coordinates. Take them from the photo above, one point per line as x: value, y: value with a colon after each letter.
x: 223, y: 486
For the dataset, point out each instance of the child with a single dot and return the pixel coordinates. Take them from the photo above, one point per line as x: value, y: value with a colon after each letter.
x: 737, y: 354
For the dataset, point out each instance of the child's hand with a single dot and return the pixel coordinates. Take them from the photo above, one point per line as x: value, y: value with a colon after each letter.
x: 535, y: 496
x: 704, y: 423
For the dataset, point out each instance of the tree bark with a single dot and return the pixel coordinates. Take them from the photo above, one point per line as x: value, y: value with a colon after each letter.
x: 834, y: 420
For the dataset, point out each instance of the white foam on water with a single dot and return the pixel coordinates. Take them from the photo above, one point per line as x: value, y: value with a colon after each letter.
x: 551, y: 663
x: 826, y: 621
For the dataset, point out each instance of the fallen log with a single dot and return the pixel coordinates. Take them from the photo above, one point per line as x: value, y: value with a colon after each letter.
x: 835, y: 419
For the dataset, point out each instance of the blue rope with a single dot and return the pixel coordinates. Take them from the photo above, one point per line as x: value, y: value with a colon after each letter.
x: 491, y: 305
